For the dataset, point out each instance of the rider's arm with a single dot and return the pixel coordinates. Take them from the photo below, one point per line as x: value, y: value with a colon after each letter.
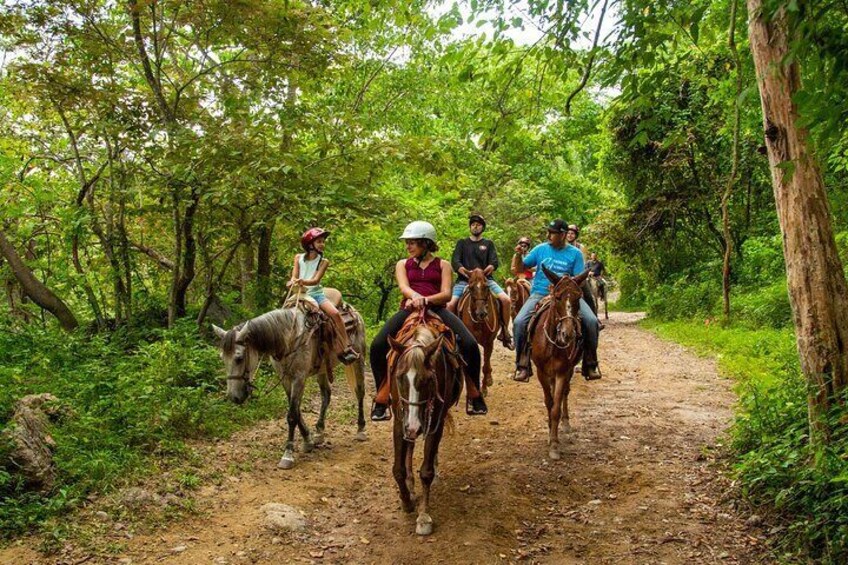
x: 492, y: 262
x: 444, y: 295
x: 403, y: 281
x: 456, y: 259
x: 295, y: 271
x: 322, y: 268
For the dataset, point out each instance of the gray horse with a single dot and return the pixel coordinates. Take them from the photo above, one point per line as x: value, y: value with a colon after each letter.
x: 294, y: 343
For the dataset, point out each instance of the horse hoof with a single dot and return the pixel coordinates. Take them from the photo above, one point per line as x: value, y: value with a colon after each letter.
x: 424, y: 525
x: 554, y: 454
x: 317, y: 438
x: 286, y: 462
x: 361, y: 436
x: 308, y: 445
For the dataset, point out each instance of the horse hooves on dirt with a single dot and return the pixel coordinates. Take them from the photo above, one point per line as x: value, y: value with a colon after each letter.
x: 361, y: 436
x: 317, y: 438
x: 424, y: 525
x: 308, y: 445
x: 286, y: 462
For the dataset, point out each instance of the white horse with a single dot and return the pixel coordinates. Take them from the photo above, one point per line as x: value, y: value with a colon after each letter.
x: 294, y: 342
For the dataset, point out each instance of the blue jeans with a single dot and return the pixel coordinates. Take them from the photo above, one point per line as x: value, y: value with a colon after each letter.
x: 589, y: 326
x: 460, y: 287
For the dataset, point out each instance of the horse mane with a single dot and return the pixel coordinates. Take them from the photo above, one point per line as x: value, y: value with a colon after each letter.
x: 422, y: 337
x: 271, y: 332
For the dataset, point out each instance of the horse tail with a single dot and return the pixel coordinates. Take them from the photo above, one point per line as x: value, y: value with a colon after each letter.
x: 353, y: 372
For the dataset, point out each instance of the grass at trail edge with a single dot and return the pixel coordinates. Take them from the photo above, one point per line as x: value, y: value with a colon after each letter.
x: 803, y: 488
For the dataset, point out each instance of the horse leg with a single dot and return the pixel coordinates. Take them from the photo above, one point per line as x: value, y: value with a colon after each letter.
x: 487, y: 367
x: 556, y: 414
x: 399, y: 468
x: 424, y: 523
x: 359, y: 373
x: 566, y: 424
x: 287, y: 460
x: 410, y: 475
x: 324, y: 386
x: 296, y: 397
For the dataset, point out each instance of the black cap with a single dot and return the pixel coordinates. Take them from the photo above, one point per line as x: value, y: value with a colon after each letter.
x: 476, y: 218
x: 558, y: 226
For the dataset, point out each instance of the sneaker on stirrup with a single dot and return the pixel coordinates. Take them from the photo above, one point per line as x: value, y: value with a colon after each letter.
x: 380, y: 412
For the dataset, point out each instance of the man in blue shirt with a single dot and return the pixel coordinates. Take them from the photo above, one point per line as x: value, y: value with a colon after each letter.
x: 563, y: 259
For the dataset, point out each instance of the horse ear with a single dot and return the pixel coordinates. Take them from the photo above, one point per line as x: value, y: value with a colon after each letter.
x: 434, y: 347
x: 220, y: 332
x: 553, y: 277
x: 240, y: 335
x: 581, y: 277
x: 396, y: 345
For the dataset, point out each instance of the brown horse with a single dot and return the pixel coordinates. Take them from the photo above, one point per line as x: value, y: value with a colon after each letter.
x: 556, y: 349
x: 425, y: 383
x: 518, y: 290
x: 479, y: 310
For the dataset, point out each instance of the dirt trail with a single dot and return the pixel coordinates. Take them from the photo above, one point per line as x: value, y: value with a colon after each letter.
x: 636, y: 484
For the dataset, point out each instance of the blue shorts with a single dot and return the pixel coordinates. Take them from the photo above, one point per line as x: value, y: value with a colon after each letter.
x: 460, y: 287
x: 320, y: 298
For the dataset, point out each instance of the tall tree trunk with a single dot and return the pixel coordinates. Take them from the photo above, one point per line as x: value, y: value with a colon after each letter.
x: 817, y: 289
x: 263, y: 266
x: 34, y: 288
x: 248, y: 269
x: 734, y: 168
x: 185, y: 275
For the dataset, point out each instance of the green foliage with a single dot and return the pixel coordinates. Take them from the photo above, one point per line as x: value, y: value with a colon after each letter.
x: 124, y: 401
x: 801, y: 486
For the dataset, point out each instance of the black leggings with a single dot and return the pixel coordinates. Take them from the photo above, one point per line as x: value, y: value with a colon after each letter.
x: 468, y: 347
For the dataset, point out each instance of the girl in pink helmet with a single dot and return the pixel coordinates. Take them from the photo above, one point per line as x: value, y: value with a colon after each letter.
x: 309, y: 269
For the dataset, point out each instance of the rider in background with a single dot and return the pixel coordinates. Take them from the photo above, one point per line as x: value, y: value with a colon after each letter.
x: 564, y: 260
x: 524, y: 244
x: 309, y: 268
x: 425, y: 282
x: 597, y: 269
x: 477, y: 252
x: 571, y: 236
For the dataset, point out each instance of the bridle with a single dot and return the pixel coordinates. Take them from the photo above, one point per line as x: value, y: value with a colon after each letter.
x: 472, y: 314
x: 429, y: 405
x: 568, y: 318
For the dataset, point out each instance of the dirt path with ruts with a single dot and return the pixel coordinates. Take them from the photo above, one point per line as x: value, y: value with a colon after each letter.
x: 637, y: 482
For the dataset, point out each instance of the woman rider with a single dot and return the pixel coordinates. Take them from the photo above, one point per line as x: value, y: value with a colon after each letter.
x: 425, y: 281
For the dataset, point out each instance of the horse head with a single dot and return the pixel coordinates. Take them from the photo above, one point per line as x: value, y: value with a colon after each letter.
x: 478, y: 288
x: 565, y: 307
x: 417, y: 381
x: 240, y: 361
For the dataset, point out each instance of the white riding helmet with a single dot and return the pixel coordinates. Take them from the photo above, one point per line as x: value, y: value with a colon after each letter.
x: 419, y: 230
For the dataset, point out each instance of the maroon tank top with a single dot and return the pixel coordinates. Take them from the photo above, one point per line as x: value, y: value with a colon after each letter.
x: 425, y: 282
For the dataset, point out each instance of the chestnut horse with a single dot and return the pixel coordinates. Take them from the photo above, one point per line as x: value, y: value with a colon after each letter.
x: 425, y: 383
x: 518, y: 290
x: 479, y: 310
x: 556, y: 348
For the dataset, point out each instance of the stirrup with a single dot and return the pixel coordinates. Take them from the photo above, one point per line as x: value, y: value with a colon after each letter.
x: 387, y: 415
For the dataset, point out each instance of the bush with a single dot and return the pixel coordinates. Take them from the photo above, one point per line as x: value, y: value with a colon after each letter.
x: 127, y: 402
x: 806, y: 488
